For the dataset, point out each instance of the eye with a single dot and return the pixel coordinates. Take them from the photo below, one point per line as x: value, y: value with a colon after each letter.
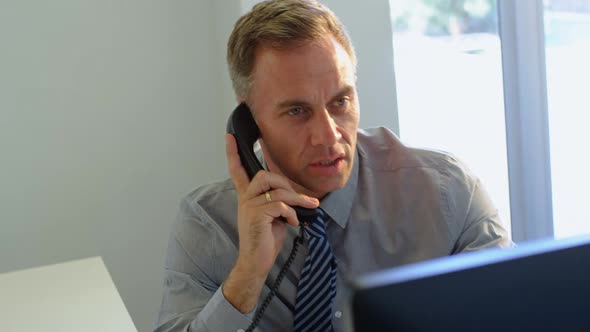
x: 341, y: 102
x: 296, y: 111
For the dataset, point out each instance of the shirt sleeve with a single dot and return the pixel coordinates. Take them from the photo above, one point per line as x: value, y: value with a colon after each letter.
x: 192, y: 300
x: 472, y: 209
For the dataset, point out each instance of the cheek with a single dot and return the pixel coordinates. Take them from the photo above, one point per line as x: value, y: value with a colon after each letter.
x: 293, y: 147
x: 349, y: 125
x: 287, y: 144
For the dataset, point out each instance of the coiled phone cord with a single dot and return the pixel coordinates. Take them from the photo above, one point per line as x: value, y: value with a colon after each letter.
x: 299, y: 239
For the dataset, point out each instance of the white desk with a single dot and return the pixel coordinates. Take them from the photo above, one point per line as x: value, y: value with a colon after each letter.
x: 73, y: 296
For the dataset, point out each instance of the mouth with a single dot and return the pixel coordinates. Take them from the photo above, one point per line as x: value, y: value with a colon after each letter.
x: 328, y: 162
x: 333, y: 166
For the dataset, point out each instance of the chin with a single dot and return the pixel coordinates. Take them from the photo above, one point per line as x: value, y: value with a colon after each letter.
x: 327, y: 187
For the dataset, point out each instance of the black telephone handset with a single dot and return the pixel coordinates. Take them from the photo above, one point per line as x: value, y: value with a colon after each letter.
x: 242, y: 125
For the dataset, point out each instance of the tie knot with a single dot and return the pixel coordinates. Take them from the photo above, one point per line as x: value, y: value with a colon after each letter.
x: 316, y: 224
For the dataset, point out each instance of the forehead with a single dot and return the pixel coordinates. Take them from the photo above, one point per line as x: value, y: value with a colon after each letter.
x: 301, y: 69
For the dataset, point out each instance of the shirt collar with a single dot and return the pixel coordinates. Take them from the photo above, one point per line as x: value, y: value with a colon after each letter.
x: 339, y: 203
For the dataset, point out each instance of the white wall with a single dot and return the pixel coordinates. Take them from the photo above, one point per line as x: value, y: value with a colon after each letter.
x: 111, y: 111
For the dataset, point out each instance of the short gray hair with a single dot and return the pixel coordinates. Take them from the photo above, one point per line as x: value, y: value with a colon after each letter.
x: 279, y: 24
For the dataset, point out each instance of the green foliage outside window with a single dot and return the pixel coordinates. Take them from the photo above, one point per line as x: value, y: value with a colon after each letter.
x: 439, y: 17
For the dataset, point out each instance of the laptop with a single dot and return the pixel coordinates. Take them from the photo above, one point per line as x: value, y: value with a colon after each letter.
x: 538, y: 286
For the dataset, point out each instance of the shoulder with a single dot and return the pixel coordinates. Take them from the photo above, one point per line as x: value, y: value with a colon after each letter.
x: 381, y: 150
x: 205, y: 226
x: 211, y: 206
x: 209, y: 196
x: 393, y: 164
x: 428, y: 180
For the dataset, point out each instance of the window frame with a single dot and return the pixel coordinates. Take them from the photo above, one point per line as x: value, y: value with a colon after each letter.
x: 522, y: 35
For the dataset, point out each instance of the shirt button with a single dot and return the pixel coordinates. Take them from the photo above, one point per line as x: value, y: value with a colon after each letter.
x: 338, y: 314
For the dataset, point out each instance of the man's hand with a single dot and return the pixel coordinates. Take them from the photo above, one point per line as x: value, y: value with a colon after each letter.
x: 261, y: 233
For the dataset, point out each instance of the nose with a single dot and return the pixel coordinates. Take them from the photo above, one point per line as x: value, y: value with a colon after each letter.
x: 324, y: 129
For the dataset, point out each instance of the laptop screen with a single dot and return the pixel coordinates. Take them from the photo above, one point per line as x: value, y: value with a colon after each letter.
x: 540, y: 286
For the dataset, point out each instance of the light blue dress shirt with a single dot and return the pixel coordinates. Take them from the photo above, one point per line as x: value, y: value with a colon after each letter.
x: 401, y: 205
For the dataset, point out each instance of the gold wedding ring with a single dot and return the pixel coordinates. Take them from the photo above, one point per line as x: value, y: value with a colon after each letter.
x: 267, y: 195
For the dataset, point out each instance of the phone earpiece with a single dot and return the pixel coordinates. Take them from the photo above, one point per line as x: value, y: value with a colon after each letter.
x: 242, y: 125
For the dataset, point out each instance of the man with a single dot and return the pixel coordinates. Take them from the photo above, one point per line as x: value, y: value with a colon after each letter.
x: 386, y: 204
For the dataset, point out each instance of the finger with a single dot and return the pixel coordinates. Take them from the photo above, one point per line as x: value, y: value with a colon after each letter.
x: 236, y: 170
x: 288, y: 197
x: 280, y: 209
x: 265, y: 181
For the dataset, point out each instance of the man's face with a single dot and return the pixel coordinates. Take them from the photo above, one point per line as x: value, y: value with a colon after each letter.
x: 305, y: 103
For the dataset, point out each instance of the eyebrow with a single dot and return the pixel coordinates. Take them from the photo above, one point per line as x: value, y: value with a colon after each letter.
x: 291, y: 103
x: 347, y: 90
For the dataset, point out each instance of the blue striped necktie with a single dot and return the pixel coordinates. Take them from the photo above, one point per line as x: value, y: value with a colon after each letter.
x: 317, y: 285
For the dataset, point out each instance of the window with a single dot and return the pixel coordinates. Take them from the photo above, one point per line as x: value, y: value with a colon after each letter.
x: 567, y: 45
x: 448, y: 68
x: 449, y: 63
